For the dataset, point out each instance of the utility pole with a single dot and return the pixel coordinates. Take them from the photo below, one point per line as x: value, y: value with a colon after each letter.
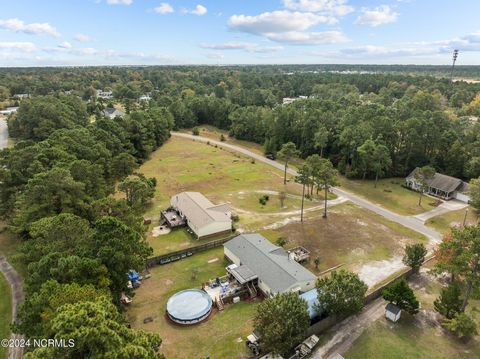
x: 465, y: 218
x: 455, y: 56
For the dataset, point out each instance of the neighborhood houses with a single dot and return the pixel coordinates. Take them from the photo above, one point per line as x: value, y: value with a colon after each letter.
x: 112, y: 113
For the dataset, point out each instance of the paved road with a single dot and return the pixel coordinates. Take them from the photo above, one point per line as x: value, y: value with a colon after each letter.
x: 445, y: 207
x: 409, y: 222
x: 16, y: 286
x: 3, y: 133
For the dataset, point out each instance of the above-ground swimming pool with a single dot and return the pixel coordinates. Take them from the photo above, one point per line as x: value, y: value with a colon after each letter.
x: 189, y: 306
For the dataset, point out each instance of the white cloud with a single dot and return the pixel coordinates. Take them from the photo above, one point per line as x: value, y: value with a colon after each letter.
x: 374, y: 17
x: 22, y: 46
x: 372, y: 50
x: 65, y: 45
x: 276, y: 22
x: 308, y: 38
x: 247, y: 46
x: 119, y: 2
x: 164, y: 8
x: 287, y: 27
x: 199, y: 10
x: 17, y: 25
x: 215, y: 55
x: 82, y: 38
x: 332, y: 7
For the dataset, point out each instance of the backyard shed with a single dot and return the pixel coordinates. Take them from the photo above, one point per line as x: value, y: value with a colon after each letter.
x: 203, y: 217
x: 392, y: 312
x: 276, y: 270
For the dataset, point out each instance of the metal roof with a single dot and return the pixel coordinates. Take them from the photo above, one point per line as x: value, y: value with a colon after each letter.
x: 199, y: 210
x: 243, y: 274
x: 269, y: 262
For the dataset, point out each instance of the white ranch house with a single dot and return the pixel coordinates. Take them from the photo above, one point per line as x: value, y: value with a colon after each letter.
x: 441, y: 186
x: 276, y: 269
x: 203, y: 217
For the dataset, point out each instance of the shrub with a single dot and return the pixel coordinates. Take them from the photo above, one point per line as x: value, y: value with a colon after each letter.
x: 195, y: 131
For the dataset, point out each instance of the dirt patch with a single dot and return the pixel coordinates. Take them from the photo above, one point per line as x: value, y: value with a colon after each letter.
x: 160, y: 231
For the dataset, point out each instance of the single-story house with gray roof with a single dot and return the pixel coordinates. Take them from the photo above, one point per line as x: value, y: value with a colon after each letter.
x: 202, y: 216
x: 275, y: 268
x: 441, y: 186
x: 111, y: 113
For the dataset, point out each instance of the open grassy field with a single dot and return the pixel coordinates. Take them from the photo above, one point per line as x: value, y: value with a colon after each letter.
x: 444, y: 222
x: 389, y: 194
x: 222, y: 176
x: 5, y: 313
x: 221, y: 336
x: 349, y: 236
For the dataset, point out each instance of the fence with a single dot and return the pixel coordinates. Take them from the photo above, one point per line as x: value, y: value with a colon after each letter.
x: 187, y: 252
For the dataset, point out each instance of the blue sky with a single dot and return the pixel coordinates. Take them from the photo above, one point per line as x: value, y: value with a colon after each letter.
x: 145, y: 32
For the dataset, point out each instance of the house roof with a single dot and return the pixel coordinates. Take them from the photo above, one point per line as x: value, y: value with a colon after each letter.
x: 269, y: 262
x: 199, y: 210
x: 243, y: 274
x: 110, y: 111
x: 444, y: 183
x: 311, y: 297
x: 392, y: 308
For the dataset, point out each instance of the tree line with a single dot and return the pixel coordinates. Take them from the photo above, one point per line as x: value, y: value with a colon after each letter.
x: 78, y: 242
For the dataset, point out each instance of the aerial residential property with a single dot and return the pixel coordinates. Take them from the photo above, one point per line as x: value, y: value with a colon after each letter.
x: 276, y: 179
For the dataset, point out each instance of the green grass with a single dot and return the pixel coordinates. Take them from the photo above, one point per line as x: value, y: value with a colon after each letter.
x: 5, y: 313
x: 217, y: 337
x: 444, y: 222
x: 416, y: 337
x: 390, y: 194
x: 222, y: 176
x: 406, y: 340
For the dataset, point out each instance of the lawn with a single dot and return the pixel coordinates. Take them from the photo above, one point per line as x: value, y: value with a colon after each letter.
x: 222, y: 176
x: 419, y: 337
x: 390, y: 194
x: 5, y: 313
x: 350, y: 236
x: 444, y: 222
x: 221, y: 336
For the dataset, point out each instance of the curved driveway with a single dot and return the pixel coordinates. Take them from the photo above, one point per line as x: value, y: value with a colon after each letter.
x: 409, y: 222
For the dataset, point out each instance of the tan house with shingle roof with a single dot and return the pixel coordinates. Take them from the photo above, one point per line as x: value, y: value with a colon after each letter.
x: 442, y: 186
x: 203, y: 217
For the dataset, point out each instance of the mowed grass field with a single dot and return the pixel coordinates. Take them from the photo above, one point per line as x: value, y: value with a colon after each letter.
x: 222, y: 176
x: 5, y: 313
x: 389, y: 194
x: 222, y: 335
x: 416, y: 337
x: 349, y: 236
x: 444, y: 222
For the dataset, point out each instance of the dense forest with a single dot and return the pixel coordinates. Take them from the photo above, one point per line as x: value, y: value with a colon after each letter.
x: 56, y: 183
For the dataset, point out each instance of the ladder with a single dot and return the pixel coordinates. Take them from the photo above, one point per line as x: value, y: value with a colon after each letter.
x: 220, y: 305
x: 252, y: 290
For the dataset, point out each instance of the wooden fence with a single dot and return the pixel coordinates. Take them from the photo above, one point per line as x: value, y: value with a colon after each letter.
x: 185, y: 253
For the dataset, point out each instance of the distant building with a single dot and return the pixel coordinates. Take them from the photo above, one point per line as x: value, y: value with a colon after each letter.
x: 21, y: 95
x: 392, y: 312
x: 289, y: 100
x: 104, y: 94
x: 9, y: 111
x: 441, y: 186
x: 276, y: 269
x: 146, y: 97
x: 203, y: 217
x: 111, y: 113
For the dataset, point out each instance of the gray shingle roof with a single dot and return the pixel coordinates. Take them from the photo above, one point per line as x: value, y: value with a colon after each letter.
x: 392, y: 308
x: 269, y: 262
x: 199, y: 210
x: 444, y: 183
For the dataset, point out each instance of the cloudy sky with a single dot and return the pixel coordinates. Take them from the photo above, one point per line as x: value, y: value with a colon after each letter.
x: 108, y: 32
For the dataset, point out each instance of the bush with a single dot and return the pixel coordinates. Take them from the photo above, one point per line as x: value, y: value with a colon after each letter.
x: 222, y: 138
x: 282, y: 241
x: 195, y: 131
x: 461, y: 325
x: 263, y: 200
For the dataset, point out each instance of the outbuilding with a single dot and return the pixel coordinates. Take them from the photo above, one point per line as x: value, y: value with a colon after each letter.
x: 392, y: 312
